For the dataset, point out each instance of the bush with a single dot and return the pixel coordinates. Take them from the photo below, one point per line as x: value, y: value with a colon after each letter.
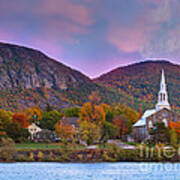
x: 21, y: 158
x: 40, y: 155
x: 106, y: 157
x: 7, y: 150
x: 31, y: 156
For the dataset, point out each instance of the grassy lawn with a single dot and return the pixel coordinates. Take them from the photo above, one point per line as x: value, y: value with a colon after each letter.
x: 45, y: 146
x: 38, y: 146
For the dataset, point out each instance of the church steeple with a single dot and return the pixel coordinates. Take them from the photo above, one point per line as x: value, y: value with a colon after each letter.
x: 163, y: 95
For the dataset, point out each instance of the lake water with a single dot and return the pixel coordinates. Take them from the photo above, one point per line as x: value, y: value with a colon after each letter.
x: 96, y: 171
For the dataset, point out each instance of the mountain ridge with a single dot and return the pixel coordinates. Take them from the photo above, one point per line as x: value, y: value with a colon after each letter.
x: 28, y: 77
x: 135, y: 64
x: 142, y: 80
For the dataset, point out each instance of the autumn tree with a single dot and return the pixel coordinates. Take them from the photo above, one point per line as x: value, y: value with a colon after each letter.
x: 2, y: 132
x: 64, y: 131
x: 91, y: 119
x: 175, y: 126
x: 131, y: 115
x: 5, y: 117
x: 109, y: 130
x: 13, y: 126
x: 123, y: 118
x: 92, y: 114
x: 21, y: 119
x: 34, y: 115
x: 123, y: 125
x: 91, y: 132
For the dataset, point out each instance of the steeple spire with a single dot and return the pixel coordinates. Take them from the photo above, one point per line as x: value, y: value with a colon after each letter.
x: 163, y: 84
x: 163, y: 95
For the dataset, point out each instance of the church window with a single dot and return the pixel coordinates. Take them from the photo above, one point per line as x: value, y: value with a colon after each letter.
x: 161, y: 97
x: 164, y: 97
x: 150, y: 124
x: 164, y: 114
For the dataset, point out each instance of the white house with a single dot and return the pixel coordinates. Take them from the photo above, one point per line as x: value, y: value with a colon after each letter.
x: 33, y: 128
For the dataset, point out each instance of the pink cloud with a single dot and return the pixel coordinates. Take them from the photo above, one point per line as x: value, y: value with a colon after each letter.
x: 5, y: 36
x: 49, y: 47
x: 151, y: 1
x: 127, y: 40
x: 64, y: 19
x: 77, y: 13
x: 62, y: 29
x: 134, y: 37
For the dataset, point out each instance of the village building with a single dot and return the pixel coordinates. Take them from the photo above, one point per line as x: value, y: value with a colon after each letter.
x: 161, y: 113
x: 45, y: 135
x: 73, y: 121
x: 33, y: 129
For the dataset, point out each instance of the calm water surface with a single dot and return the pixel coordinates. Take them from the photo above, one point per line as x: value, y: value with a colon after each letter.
x: 99, y: 171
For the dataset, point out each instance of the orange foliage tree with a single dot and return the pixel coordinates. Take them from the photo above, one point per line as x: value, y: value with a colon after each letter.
x: 65, y: 131
x: 175, y: 126
x: 93, y: 114
x: 92, y: 118
x: 122, y: 125
x: 21, y: 119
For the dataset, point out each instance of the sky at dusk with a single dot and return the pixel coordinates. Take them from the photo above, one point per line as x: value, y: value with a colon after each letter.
x: 94, y: 36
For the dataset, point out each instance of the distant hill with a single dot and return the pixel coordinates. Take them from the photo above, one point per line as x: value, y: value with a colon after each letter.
x: 28, y: 78
x: 141, y: 80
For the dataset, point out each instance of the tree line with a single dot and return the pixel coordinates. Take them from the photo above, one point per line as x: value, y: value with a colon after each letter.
x: 97, y: 121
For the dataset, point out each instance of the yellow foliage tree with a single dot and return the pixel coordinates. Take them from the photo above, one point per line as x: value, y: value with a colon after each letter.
x: 94, y: 114
x: 91, y: 120
x: 5, y: 118
x: 91, y: 132
x: 34, y: 115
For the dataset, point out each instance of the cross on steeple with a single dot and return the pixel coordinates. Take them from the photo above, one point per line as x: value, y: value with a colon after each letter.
x: 163, y: 95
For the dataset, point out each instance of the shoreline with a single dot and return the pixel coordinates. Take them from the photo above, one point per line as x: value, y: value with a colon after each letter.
x: 87, y: 156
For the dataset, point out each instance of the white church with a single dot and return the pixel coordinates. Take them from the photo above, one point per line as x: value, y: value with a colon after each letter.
x: 161, y: 113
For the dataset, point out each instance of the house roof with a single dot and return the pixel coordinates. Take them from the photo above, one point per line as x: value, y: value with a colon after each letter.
x: 142, y: 121
x: 34, y: 126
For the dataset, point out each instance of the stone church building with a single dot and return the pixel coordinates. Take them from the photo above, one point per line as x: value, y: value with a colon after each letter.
x: 161, y: 113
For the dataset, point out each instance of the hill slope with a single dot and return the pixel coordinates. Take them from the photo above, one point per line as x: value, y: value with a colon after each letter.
x: 141, y: 80
x: 28, y: 77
